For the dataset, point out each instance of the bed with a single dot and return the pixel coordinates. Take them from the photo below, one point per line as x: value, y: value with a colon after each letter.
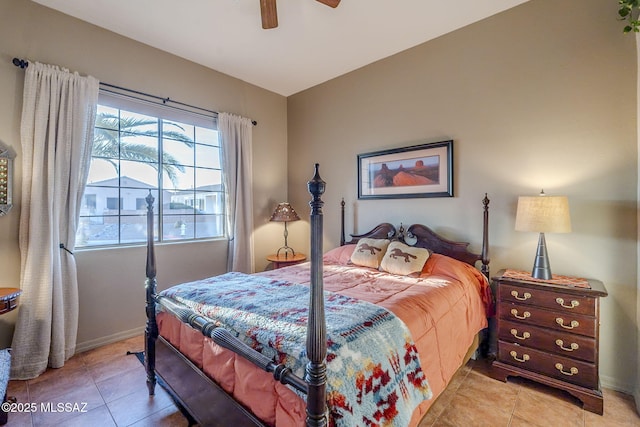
x: 319, y: 364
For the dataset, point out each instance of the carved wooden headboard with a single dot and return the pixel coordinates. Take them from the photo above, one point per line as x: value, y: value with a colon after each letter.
x: 422, y: 236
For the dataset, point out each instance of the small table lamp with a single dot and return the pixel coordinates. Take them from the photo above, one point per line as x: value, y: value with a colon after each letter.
x: 543, y: 214
x: 285, y: 213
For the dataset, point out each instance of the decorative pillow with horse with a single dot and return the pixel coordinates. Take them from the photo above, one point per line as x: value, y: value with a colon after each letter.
x: 369, y: 252
x: 403, y: 259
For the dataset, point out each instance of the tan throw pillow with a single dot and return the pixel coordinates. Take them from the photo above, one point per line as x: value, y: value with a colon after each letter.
x: 369, y: 252
x: 404, y: 260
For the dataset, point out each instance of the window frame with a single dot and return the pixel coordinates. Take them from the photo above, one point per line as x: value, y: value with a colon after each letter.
x: 213, y: 220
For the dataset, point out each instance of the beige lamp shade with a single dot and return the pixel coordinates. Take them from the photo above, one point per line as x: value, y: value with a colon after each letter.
x: 544, y: 214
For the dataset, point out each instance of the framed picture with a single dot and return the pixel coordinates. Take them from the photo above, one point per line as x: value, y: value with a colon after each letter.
x: 424, y: 170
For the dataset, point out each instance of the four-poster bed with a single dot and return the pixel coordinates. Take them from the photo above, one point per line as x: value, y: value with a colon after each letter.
x: 186, y: 344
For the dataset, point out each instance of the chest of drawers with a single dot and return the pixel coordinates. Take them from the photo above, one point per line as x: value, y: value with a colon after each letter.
x: 549, y: 333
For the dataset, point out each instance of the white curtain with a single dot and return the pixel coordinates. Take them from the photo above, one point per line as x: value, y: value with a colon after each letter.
x: 235, y: 134
x: 58, y: 116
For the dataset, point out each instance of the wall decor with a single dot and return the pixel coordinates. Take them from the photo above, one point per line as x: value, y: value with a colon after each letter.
x: 424, y: 170
x: 6, y: 178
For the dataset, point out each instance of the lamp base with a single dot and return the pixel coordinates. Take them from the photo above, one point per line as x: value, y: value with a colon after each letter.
x: 286, y: 250
x: 541, y: 268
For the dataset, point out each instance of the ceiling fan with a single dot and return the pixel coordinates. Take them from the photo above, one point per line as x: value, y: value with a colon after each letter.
x: 270, y: 14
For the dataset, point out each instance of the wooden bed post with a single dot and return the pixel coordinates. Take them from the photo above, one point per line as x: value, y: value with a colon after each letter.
x: 342, y: 239
x: 316, y: 370
x: 151, y: 330
x: 485, y: 238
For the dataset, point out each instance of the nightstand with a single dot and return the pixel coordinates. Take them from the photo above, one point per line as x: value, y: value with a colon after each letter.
x: 9, y: 299
x: 280, y: 261
x: 548, y: 332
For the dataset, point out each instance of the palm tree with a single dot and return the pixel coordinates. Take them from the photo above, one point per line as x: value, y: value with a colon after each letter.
x: 108, y: 147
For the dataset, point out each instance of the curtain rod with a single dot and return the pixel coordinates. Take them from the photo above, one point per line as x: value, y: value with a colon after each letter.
x: 24, y: 64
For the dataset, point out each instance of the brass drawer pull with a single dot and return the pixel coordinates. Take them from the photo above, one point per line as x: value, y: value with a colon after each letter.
x: 573, y: 346
x: 524, y: 297
x: 524, y: 336
x: 525, y: 357
x: 573, y: 303
x: 573, y: 370
x: 524, y: 315
x: 573, y: 324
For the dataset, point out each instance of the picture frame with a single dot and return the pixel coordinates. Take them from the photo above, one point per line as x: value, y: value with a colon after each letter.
x: 424, y: 170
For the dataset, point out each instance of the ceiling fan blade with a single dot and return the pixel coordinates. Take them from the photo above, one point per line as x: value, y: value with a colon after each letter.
x: 331, y: 3
x: 269, y: 14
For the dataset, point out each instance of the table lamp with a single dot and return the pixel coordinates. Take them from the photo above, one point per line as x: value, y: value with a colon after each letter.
x: 285, y: 213
x: 544, y: 214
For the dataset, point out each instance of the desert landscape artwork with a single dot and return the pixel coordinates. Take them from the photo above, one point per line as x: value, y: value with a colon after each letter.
x: 423, y: 170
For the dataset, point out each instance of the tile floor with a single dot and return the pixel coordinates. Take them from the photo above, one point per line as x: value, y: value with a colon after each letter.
x: 475, y: 399
x: 112, y: 384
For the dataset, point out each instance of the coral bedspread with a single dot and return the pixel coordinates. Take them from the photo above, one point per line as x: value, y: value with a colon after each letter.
x: 444, y: 309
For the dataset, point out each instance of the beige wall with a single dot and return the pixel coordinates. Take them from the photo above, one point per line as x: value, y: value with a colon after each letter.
x: 111, y: 281
x: 539, y: 96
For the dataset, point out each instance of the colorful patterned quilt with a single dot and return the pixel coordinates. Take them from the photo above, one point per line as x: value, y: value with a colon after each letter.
x: 374, y: 374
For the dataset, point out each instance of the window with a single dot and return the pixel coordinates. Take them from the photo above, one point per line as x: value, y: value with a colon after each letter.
x: 89, y: 201
x: 113, y: 203
x: 140, y: 149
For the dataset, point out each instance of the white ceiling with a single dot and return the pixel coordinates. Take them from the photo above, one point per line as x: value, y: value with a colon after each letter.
x: 312, y: 44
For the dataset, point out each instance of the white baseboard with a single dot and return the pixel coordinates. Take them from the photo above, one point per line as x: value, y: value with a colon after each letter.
x: 98, y: 342
x: 614, y: 384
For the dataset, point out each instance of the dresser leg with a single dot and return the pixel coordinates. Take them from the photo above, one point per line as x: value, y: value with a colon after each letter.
x: 592, y: 400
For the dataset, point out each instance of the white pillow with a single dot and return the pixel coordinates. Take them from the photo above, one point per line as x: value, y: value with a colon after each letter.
x: 403, y: 259
x: 369, y: 252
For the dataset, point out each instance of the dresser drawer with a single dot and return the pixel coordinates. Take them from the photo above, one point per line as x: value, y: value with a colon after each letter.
x: 565, y: 369
x: 561, y: 343
x: 557, y: 301
x: 566, y: 322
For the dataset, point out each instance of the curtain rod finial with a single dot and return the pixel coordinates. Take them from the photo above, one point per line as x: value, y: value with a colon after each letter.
x: 20, y: 63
